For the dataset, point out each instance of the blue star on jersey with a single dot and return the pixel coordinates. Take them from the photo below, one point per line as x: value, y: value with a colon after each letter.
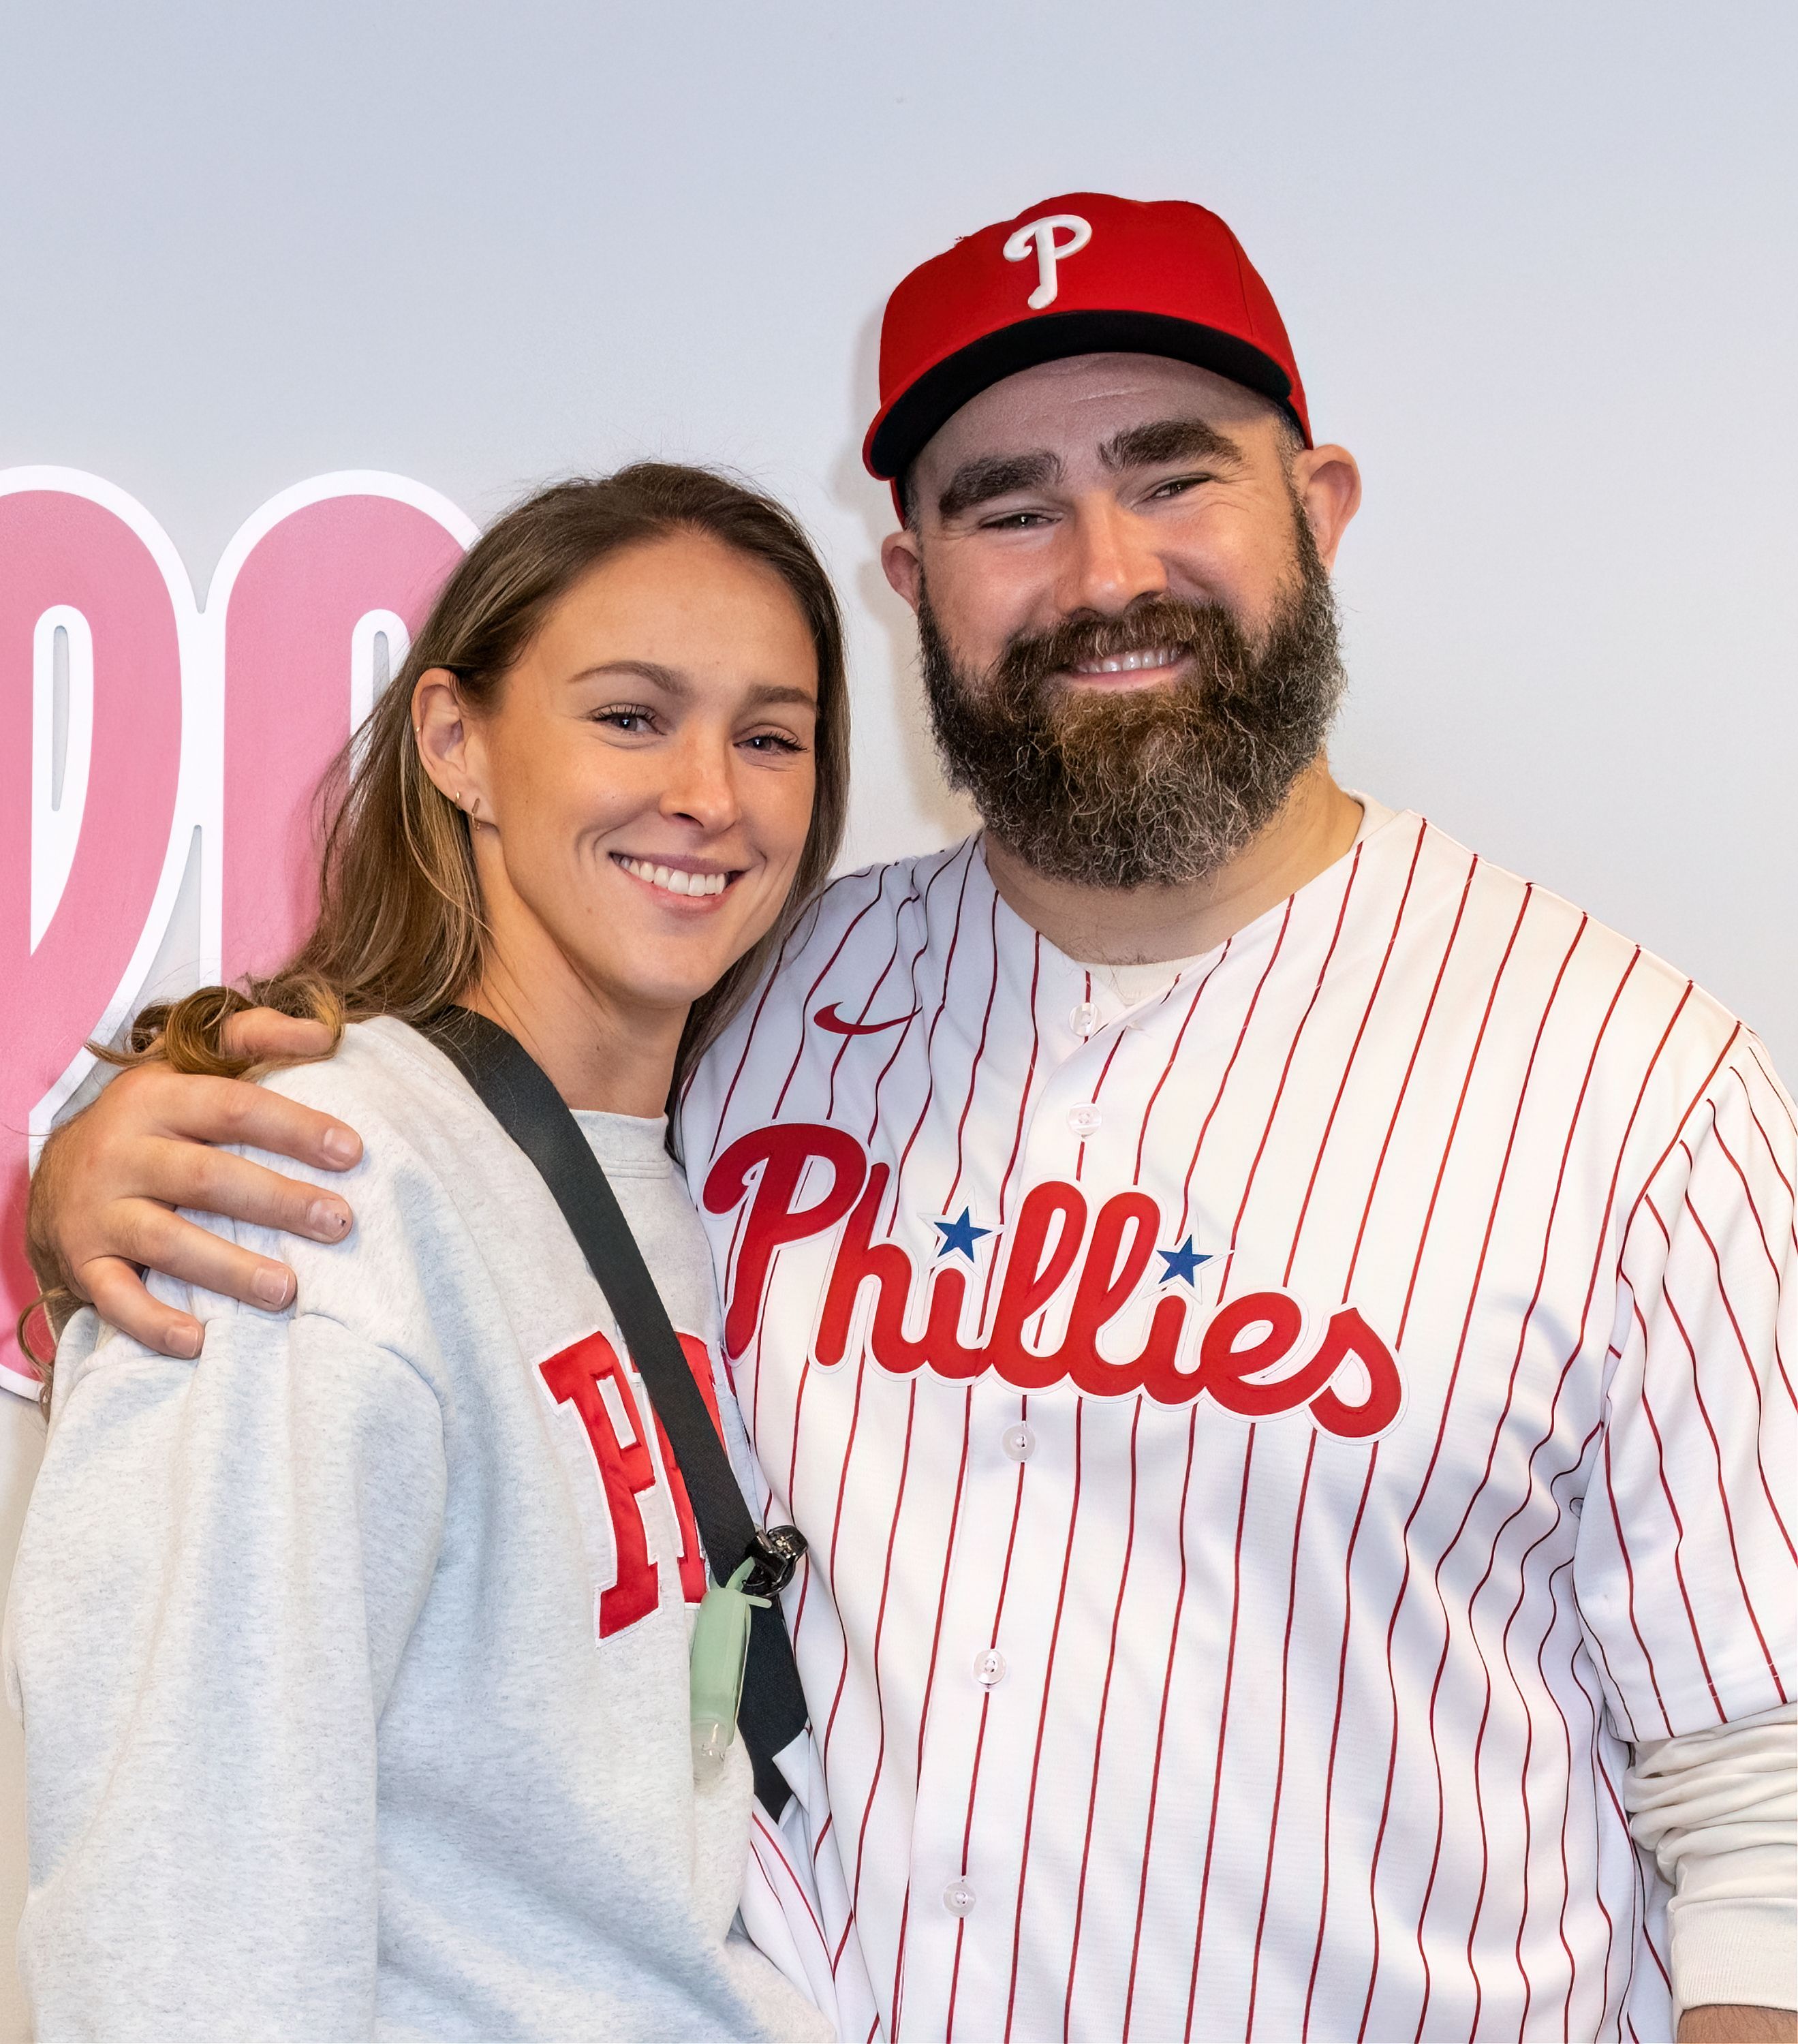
x: 1181, y: 1262
x: 959, y: 1235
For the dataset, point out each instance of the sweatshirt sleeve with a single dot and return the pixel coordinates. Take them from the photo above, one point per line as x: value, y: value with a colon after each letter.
x: 219, y: 1571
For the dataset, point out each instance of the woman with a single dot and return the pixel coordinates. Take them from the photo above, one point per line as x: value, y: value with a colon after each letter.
x: 353, y: 1658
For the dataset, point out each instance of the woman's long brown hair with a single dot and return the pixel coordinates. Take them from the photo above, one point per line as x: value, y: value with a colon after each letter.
x: 400, y: 930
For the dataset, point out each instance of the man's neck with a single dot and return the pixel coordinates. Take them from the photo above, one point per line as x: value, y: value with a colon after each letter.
x: 1141, y: 925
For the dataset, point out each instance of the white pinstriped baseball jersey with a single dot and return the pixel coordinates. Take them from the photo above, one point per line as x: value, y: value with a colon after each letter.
x: 1265, y: 1450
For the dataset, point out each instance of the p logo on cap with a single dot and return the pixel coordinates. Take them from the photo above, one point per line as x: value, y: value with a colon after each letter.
x: 1113, y: 275
x: 1040, y: 235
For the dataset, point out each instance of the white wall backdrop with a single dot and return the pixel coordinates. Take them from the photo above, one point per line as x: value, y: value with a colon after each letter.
x: 1538, y: 261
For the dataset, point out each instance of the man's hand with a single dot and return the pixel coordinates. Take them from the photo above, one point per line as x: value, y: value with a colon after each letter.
x: 1716, y: 2024
x: 103, y: 1197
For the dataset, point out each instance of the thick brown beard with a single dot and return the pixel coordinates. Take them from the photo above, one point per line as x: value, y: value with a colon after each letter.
x: 1156, y: 786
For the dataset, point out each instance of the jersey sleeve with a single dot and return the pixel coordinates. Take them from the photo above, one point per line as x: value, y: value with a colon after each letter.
x: 220, y: 1567
x: 1686, y: 1571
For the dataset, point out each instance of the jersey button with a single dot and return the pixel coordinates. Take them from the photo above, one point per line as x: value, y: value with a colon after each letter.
x: 1085, y: 1019
x: 1085, y: 1119
x: 989, y: 1668
x: 958, y: 1897
x: 1018, y: 1442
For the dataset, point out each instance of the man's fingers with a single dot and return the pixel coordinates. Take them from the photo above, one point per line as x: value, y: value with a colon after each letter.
x: 209, y: 1110
x: 120, y: 1297
x: 190, y: 1174
x: 146, y: 1233
x: 260, y: 1033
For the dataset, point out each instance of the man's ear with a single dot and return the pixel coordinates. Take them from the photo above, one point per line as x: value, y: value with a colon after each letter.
x: 446, y: 742
x: 904, y: 564
x: 1328, y: 483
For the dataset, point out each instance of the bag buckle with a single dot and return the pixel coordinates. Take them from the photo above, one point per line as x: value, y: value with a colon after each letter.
x: 774, y: 1554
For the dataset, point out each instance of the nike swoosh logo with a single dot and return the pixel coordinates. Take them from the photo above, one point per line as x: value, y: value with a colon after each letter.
x: 828, y: 1018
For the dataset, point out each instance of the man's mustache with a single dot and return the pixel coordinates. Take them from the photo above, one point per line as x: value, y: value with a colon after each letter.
x: 1151, y: 625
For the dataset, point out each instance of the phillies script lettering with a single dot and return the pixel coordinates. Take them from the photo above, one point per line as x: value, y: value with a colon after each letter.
x: 1255, y: 1354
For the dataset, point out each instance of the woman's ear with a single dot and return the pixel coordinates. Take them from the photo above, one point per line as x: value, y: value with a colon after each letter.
x: 446, y: 741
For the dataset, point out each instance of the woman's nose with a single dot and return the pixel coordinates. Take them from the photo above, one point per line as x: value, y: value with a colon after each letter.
x: 702, y: 788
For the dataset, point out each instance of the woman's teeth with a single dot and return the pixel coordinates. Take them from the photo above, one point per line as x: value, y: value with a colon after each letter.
x: 673, y: 880
x: 1130, y: 664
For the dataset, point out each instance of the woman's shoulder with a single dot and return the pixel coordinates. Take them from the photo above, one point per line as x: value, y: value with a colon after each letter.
x: 418, y: 1119
x: 386, y: 1068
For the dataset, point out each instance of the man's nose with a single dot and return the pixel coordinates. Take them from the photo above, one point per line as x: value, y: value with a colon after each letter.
x: 702, y: 783
x: 1111, y: 560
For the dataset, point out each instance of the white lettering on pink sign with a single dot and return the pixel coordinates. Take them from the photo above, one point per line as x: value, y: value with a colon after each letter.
x: 131, y: 720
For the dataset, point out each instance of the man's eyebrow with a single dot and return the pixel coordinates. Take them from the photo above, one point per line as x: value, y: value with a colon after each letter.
x: 1164, y: 440
x: 979, y: 481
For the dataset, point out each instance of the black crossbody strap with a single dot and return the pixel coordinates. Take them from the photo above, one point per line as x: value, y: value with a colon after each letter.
x: 518, y: 1093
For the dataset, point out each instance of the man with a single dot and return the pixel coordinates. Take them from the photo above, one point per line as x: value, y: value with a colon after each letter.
x: 1274, y: 1329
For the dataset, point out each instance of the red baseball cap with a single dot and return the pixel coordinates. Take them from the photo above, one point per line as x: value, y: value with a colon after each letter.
x: 1085, y: 274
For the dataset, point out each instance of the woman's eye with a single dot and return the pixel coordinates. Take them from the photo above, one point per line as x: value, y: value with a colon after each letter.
x: 770, y: 742
x: 626, y: 719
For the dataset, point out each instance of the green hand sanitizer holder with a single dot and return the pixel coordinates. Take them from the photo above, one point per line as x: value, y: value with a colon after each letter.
x: 719, y: 1653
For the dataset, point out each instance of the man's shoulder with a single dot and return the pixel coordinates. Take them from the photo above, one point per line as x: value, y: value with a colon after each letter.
x: 1644, y: 1015
x: 867, y: 911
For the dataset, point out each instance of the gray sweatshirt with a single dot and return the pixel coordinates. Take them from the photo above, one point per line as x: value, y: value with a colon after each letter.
x: 353, y: 1659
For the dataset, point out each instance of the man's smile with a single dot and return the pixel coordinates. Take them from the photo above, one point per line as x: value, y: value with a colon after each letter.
x: 1148, y: 668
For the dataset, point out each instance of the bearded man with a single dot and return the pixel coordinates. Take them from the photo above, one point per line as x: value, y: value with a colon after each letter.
x: 1273, y: 1327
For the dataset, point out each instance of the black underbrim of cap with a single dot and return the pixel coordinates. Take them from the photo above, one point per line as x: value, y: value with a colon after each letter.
x: 941, y: 392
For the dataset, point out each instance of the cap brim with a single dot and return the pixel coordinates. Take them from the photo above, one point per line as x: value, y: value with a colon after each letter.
x: 901, y: 430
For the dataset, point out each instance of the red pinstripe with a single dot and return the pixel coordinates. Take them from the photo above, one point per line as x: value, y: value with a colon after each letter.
x: 1099, y: 1733
x: 1679, y: 1526
x: 1373, y: 1456
x: 1223, y: 1084
x: 1629, y: 1578
x: 873, y: 994
x: 980, y: 1734
x: 1448, y: 1397
x: 930, y: 1683
x: 1042, y: 1722
x: 1596, y: 1712
x: 1024, y: 1100
x: 1760, y: 1230
x: 796, y: 937
x: 1566, y: 1782
x: 917, y: 957
x: 779, y: 1844
x: 930, y: 1048
x: 1716, y: 1447
x: 1104, y: 1069
x: 880, y: 1628
x: 1741, y: 1347
x: 1235, y: 1234
x: 1173, y: 1058
x: 1460, y: 1354
x: 1217, y: 1770
x: 1601, y: 1237
x: 1161, y: 1725
x: 1286, y: 1704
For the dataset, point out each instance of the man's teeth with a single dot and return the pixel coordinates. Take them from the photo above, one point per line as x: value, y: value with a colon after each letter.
x: 674, y: 880
x: 1129, y: 663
